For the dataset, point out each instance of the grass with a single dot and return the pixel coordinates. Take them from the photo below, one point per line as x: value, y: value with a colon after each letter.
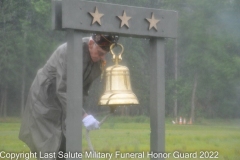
x: 132, y: 135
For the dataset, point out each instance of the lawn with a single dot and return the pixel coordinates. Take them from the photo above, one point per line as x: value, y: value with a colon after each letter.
x: 131, y: 137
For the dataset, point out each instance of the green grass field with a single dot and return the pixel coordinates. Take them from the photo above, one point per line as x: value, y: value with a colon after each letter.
x: 206, y: 138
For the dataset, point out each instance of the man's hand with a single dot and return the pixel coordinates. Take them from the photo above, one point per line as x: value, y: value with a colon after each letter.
x: 90, y: 122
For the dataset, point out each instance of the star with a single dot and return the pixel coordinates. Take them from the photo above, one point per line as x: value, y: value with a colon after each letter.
x: 96, y: 16
x: 152, y: 22
x: 124, y: 19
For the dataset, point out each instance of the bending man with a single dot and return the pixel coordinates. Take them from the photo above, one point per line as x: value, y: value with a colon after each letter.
x: 43, y: 126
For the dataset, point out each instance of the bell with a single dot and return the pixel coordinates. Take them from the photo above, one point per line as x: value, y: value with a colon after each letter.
x: 118, y: 90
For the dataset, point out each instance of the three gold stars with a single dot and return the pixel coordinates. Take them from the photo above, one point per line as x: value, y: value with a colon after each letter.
x: 124, y: 19
x: 96, y: 16
x: 152, y: 22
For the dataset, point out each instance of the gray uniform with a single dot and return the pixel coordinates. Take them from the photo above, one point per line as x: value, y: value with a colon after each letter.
x: 43, y: 122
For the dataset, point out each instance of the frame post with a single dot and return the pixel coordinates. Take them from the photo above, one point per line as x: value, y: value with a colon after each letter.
x: 157, y: 96
x: 74, y: 93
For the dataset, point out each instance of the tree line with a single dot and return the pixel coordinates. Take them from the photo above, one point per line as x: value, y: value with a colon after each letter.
x: 202, y: 64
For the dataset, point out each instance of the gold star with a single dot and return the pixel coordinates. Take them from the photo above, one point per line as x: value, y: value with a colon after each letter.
x: 124, y: 19
x: 152, y: 22
x: 96, y: 16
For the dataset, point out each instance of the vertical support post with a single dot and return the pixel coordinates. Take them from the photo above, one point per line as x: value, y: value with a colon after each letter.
x: 74, y: 93
x: 157, y: 96
x: 57, y: 14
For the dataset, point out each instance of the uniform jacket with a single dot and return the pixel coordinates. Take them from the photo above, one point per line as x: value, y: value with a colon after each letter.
x: 43, y: 121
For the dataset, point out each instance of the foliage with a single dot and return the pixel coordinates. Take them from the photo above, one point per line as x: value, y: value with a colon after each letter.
x: 26, y: 42
x: 208, y: 48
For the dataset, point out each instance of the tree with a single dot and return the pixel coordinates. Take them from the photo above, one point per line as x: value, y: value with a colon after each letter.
x: 204, y: 81
x: 23, y: 33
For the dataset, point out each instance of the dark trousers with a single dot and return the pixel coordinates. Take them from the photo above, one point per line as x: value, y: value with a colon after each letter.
x: 62, y: 147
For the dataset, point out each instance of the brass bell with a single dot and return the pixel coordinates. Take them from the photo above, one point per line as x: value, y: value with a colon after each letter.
x: 118, y: 90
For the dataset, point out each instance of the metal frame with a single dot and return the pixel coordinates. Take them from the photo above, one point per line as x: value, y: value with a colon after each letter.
x: 74, y: 16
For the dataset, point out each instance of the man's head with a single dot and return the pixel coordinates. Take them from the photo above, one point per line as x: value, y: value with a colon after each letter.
x: 99, y: 45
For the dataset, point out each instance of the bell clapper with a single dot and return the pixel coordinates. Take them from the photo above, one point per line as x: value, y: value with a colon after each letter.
x: 112, y: 109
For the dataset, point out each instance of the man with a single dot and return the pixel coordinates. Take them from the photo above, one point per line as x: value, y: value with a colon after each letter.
x: 43, y: 123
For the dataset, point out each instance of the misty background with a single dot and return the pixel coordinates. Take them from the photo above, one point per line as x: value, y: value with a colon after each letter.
x: 202, y: 65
